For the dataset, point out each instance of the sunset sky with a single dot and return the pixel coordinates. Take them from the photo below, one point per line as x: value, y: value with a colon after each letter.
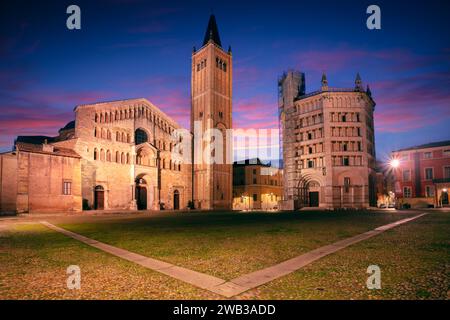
x: 133, y: 48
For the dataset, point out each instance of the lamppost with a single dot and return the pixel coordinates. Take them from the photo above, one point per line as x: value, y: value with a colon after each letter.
x: 394, y: 164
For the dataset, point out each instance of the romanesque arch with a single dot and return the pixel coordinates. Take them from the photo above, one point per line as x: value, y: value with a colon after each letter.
x: 307, y: 191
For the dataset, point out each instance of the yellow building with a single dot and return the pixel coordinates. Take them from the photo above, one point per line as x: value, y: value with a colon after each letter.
x: 256, y: 185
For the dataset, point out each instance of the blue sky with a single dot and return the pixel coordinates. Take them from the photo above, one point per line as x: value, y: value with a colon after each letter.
x: 134, y: 48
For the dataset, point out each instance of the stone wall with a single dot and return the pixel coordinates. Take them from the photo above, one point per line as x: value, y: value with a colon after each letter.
x: 8, y: 182
x: 40, y: 179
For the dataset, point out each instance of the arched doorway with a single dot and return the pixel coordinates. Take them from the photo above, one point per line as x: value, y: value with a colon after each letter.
x: 313, y: 193
x: 99, y: 198
x: 141, y: 194
x: 176, y: 200
x: 306, y: 193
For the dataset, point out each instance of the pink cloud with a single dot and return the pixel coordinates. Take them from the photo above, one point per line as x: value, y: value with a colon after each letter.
x: 257, y: 112
x: 412, y: 102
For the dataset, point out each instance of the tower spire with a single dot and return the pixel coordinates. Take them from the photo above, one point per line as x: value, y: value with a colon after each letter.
x: 212, y: 32
x: 324, y: 81
x: 358, y: 82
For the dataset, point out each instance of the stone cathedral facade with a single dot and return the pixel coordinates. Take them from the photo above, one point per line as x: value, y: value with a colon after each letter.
x: 119, y: 155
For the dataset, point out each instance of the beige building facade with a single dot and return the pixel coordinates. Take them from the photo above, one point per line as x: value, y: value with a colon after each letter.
x: 115, y: 156
x: 328, y: 144
x: 256, y: 185
x: 40, y: 177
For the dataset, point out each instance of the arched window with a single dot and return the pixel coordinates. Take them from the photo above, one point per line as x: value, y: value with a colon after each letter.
x: 128, y: 158
x: 123, y: 137
x: 140, y: 136
x: 117, y: 157
x: 108, y: 135
x: 108, y: 156
x: 122, y: 158
x: 95, y: 154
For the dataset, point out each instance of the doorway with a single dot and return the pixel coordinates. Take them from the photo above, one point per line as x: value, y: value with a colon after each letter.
x: 176, y: 200
x: 314, y: 198
x: 99, y: 198
x: 141, y: 197
x: 444, y: 198
x: 141, y: 194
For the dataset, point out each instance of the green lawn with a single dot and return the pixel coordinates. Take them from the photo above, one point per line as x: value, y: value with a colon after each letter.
x: 227, y: 245
x: 414, y: 258
x: 34, y: 259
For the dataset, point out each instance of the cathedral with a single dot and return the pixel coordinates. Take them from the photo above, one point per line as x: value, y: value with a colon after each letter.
x: 119, y: 155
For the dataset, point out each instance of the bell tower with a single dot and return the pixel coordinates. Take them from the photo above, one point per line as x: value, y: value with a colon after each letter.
x: 211, y: 93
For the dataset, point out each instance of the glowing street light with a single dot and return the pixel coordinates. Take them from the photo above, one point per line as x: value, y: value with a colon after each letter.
x: 394, y: 163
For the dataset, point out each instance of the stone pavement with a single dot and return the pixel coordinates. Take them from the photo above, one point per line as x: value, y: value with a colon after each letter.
x: 238, y: 285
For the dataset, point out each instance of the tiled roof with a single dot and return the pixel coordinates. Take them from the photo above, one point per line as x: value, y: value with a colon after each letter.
x: 70, y: 125
x: 37, y: 148
x: 427, y: 145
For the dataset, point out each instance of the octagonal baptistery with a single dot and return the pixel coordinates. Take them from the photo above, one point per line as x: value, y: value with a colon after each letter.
x: 329, y: 148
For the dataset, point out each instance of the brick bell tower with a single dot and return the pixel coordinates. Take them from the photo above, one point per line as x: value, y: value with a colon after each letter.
x: 211, y: 92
